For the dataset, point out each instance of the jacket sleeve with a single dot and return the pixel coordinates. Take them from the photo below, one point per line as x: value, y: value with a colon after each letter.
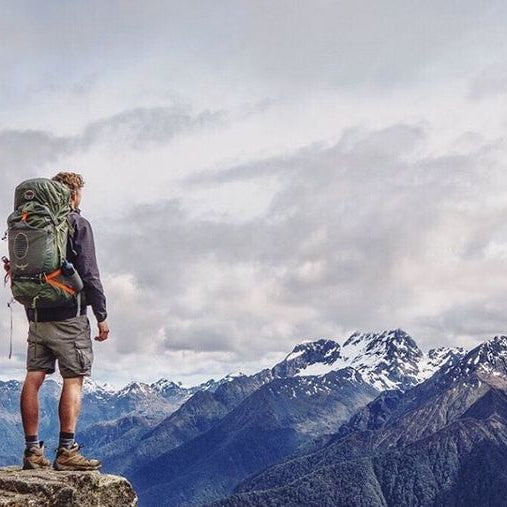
x: 86, y: 265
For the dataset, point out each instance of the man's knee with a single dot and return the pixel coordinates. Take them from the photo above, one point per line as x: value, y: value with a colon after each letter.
x: 72, y: 385
x: 34, y: 379
x: 73, y: 381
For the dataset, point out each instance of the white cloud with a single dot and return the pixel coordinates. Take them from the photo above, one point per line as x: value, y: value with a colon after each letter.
x: 261, y: 173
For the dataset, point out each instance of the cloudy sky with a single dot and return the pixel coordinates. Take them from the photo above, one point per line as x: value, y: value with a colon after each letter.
x: 262, y: 173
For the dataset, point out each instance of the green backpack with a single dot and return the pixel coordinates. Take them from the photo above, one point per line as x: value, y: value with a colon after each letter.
x: 37, y: 233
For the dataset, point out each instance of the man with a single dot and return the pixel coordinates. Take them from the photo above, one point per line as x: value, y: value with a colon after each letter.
x: 63, y: 334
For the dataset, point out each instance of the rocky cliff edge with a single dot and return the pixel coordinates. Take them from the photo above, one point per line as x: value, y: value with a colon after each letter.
x: 49, y: 488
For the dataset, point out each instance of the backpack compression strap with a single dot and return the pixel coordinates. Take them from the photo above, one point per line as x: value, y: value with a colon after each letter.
x: 51, y: 280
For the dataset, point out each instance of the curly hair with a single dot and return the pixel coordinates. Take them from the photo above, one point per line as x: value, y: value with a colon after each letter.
x: 73, y: 180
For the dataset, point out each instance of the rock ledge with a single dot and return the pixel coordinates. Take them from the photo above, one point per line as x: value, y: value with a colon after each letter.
x: 49, y: 488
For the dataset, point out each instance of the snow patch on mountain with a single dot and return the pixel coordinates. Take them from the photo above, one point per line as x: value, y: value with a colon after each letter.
x: 99, y: 389
x: 164, y: 386
x: 136, y: 389
x: 488, y: 358
x: 439, y: 358
x: 386, y: 360
x: 233, y: 375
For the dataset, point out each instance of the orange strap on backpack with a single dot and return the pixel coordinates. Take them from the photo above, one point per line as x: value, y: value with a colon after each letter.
x: 51, y: 280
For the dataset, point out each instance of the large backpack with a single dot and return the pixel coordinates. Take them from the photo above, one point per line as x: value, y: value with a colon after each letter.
x: 38, y: 232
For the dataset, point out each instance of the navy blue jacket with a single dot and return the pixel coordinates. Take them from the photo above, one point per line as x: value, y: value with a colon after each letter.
x: 81, y: 252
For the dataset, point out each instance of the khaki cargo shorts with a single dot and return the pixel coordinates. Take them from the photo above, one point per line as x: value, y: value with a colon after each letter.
x: 67, y: 340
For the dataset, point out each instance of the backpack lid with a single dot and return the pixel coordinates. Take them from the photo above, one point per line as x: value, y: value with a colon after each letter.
x: 53, y: 194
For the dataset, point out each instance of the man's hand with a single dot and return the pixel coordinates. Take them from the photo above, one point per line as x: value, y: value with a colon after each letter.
x: 103, y: 331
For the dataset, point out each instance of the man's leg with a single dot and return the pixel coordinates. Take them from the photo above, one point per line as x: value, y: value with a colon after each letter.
x: 73, y: 348
x: 40, y: 361
x: 68, y: 456
x: 30, y: 401
x: 33, y: 456
x: 70, y: 404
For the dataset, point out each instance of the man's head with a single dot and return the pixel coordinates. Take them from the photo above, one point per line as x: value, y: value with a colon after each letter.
x: 75, y: 182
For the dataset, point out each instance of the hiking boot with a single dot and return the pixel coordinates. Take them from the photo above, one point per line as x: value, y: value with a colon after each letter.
x: 72, y: 459
x: 34, y: 458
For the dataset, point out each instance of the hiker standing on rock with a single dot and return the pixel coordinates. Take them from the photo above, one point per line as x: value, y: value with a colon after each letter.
x: 54, y: 274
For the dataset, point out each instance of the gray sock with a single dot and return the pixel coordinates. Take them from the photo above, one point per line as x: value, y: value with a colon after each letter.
x: 31, y: 441
x: 66, y: 439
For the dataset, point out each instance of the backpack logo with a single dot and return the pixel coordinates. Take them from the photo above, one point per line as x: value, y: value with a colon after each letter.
x: 21, y: 245
x: 29, y: 195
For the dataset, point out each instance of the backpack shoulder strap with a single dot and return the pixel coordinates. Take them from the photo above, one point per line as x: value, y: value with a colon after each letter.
x: 72, y: 230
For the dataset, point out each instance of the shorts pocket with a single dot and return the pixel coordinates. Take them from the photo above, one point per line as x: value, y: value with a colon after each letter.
x: 84, y: 358
x: 84, y: 350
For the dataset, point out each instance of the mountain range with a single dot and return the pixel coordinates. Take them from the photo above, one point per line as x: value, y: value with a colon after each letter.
x: 146, y: 404
x: 442, y: 442
x: 369, y: 421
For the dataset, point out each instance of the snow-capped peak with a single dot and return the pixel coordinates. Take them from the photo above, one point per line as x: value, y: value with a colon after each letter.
x: 136, y: 389
x: 164, y: 385
x: 92, y: 387
x: 394, y: 341
x: 233, y: 375
x: 488, y: 357
x: 325, y: 349
x: 388, y: 359
x: 318, y: 353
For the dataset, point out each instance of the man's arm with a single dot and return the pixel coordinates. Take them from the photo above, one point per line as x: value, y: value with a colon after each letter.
x: 86, y: 264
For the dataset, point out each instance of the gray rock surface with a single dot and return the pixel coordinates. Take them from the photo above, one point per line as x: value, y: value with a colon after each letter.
x: 49, y: 488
